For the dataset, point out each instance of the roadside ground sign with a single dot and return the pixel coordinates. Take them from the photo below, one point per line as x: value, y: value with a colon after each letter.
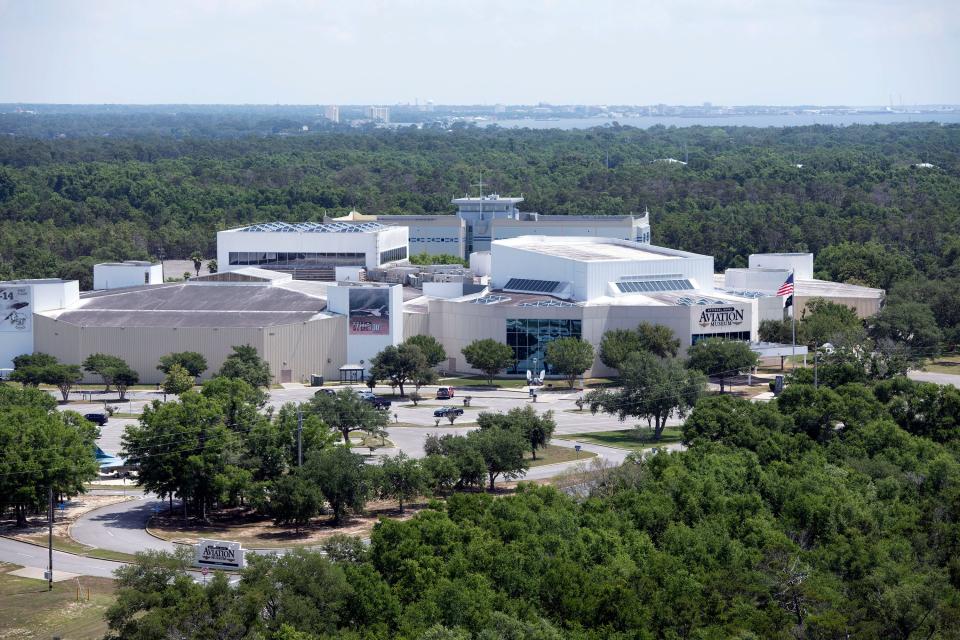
x: 219, y: 554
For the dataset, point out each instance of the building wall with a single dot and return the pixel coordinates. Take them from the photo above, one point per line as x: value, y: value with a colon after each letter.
x: 619, y: 229
x: 415, y: 324
x: 433, y: 235
x: 590, y: 278
x: 800, y: 263
x: 865, y: 307
x: 140, y: 347
x: 302, y: 348
x: 117, y: 276
x: 371, y: 244
x: 313, y: 347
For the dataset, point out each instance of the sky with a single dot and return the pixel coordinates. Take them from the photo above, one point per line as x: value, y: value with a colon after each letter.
x: 728, y: 52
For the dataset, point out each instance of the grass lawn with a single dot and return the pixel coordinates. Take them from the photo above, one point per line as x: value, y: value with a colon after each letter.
x: 69, y: 545
x: 119, y: 414
x: 626, y: 438
x: 366, y: 440
x: 946, y: 364
x: 555, y: 453
x: 28, y: 610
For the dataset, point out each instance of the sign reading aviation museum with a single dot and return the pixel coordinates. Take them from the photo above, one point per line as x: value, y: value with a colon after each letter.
x: 721, y: 317
x: 369, y: 311
x: 219, y: 554
x: 15, y: 312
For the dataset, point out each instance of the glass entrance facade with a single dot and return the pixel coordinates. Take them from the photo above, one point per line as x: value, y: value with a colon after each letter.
x: 529, y: 338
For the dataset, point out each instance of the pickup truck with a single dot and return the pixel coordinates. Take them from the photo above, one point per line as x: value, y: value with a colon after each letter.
x: 96, y: 418
x: 375, y: 400
x: 443, y: 412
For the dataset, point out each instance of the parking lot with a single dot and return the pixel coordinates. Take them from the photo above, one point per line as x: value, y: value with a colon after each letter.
x: 409, y: 425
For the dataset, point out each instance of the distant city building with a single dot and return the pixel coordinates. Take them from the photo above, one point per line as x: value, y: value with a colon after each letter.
x: 332, y: 113
x: 379, y: 114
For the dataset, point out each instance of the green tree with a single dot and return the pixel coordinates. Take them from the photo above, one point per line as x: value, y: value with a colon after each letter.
x: 399, y: 364
x: 911, y: 324
x: 63, y: 376
x: 489, y: 356
x: 180, y: 448
x: 103, y: 365
x: 342, y: 477
x: 29, y: 369
x: 247, y: 365
x: 294, y: 500
x: 193, y: 362
x: 402, y: 478
x: 658, y: 339
x: 868, y: 263
x: 535, y: 429
x: 721, y: 358
x: 502, y: 453
x: 652, y: 389
x: 178, y: 380
x: 432, y: 350
x: 823, y: 321
x: 616, y: 345
x: 347, y: 412
x: 569, y: 357
x: 41, y: 448
x: 122, y: 377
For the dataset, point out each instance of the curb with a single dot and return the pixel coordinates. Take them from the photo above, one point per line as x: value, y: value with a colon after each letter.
x: 72, y: 553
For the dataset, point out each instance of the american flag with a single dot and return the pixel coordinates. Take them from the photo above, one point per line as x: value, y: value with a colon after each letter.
x: 786, y: 289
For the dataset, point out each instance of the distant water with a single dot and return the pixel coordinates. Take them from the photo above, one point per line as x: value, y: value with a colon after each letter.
x: 784, y: 120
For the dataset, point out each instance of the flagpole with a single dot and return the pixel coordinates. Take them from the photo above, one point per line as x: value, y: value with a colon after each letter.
x: 793, y: 318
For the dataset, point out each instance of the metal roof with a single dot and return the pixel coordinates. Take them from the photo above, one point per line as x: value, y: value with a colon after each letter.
x: 186, y: 305
x: 313, y: 227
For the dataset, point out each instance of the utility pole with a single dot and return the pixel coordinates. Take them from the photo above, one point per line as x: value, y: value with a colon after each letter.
x: 299, y: 436
x: 50, y: 541
x: 816, y: 354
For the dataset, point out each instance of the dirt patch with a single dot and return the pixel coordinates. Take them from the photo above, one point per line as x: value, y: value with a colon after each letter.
x: 257, y: 531
x: 73, y: 509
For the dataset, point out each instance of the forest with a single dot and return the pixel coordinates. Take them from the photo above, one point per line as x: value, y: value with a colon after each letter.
x: 831, y: 512
x: 879, y: 205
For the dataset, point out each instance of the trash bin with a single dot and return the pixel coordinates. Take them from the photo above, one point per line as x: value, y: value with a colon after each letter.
x: 315, y: 380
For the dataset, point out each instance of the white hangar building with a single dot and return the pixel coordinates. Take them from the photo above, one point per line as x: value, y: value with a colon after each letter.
x: 544, y: 288
x: 311, y: 250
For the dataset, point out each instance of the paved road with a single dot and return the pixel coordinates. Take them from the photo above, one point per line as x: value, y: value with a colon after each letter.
x: 939, y: 378
x: 29, y: 555
x: 121, y: 527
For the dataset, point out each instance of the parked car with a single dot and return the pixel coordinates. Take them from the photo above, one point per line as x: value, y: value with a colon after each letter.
x: 445, y: 393
x: 377, y: 401
x: 328, y: 392
x: 96, y: 418
x: 443, y: 412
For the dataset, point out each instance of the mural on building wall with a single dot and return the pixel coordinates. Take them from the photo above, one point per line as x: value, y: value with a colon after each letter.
x: 15, y: 312
x: 369, y: 311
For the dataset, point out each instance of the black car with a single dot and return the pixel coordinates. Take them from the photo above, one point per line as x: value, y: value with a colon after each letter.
x: 378, y: 402
x: 96, y: 418
x: 443, y: 412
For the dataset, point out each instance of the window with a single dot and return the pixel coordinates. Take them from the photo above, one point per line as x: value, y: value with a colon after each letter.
x: 529, y: 339
x: 392, y: 255
x: 743, y: 336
